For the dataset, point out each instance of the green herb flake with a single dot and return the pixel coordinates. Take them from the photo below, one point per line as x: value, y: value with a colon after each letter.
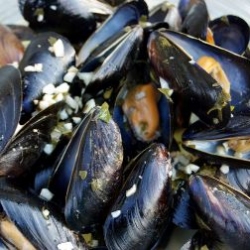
x: 104, y: 113
x: 83, y: 174
x: 52, y: 40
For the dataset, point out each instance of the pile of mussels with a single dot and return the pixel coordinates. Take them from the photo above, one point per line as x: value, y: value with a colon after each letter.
x: 119, y: 124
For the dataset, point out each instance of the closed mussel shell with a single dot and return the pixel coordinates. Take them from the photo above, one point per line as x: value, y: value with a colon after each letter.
x: 222, y: 209
x: 11, y: 102
x: 73, y: 19
x: 45, y: 61
x: 25, y: 148
x: 38, y: 222
x: 195, y: 17
x: 97, y: 167
x: 142, y: 209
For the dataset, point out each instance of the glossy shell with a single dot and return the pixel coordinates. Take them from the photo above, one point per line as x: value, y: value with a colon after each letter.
x: 142, y: 208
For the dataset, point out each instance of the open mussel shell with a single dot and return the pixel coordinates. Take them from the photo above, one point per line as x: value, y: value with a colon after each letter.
x: 45, y: 61
x: 222, y: 209
x: 231, y: 32
x: 94, y: 157
x: 235, y: 67
x: 194, y: 87
x: 73, y: 19
x: 195, y: 17
x: 229, y: 144
x: 143, y: 112
x: 40, y: 223
x: 25, y: 148
x: 143, y: 207
x: 10, y: 46
x: 11, y: 101
x: 126, y: 15
x: 117, y: 64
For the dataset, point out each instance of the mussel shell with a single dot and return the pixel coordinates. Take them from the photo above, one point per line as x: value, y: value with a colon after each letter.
x: 166, y: 12
x: 223, y: 210
x: 135, y: 138
x: 195, y: 17
x: 118, y: 63
x: 53, y: 68
x: 96, y: 165
x: 212, y: 143
x: 73, y: 19
x: 236, y: 67
x: 127, y: 14
x: 231, y: 32
x: 41, y: 224
x: 191, y: 84
x: 10, y: 46
x: 143, y: 207
x: 27, y: 146
x: 10, y: 99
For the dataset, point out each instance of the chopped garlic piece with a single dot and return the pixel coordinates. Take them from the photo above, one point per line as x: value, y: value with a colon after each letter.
x: 38, y: 67
x: 68, y: 126
x: 191, y: 168
x: 63, y: 115
x: 116, y: 213
x: 131, y: 191
x: 48, y: 149
x: 65, y: 246
x: 46, y: 195
x: 49, y: 89
x: 62, y: 88
x: 224, y: 169
x: 69, y: 77
x: 58, y: 48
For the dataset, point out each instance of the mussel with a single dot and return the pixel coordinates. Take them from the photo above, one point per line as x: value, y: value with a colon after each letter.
x: 222, y: 212
x: 45, y: 61
x: 90, y: 170
x: 75, y: 20
x: 143, y: 208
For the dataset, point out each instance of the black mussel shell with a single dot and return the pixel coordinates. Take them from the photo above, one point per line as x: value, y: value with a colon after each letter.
x: 73, y: 19
x: 114, y: 2
x: 195, y: 17
x: 165, y: 12
x: 10, y: 46
x: 143, y: 207
x: 193, y: 86
x: 27, y: 145
x: 94, y: 156
x: 40, y: 223
x: 203, y: 239
x: 117, y: 64
x: 229, y: 144
x: 222, y: 209
x: 10, y: 100
x: 236, y: 68
x: 125, y: 15
x: 42, y: 65
x: 231, y: 32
